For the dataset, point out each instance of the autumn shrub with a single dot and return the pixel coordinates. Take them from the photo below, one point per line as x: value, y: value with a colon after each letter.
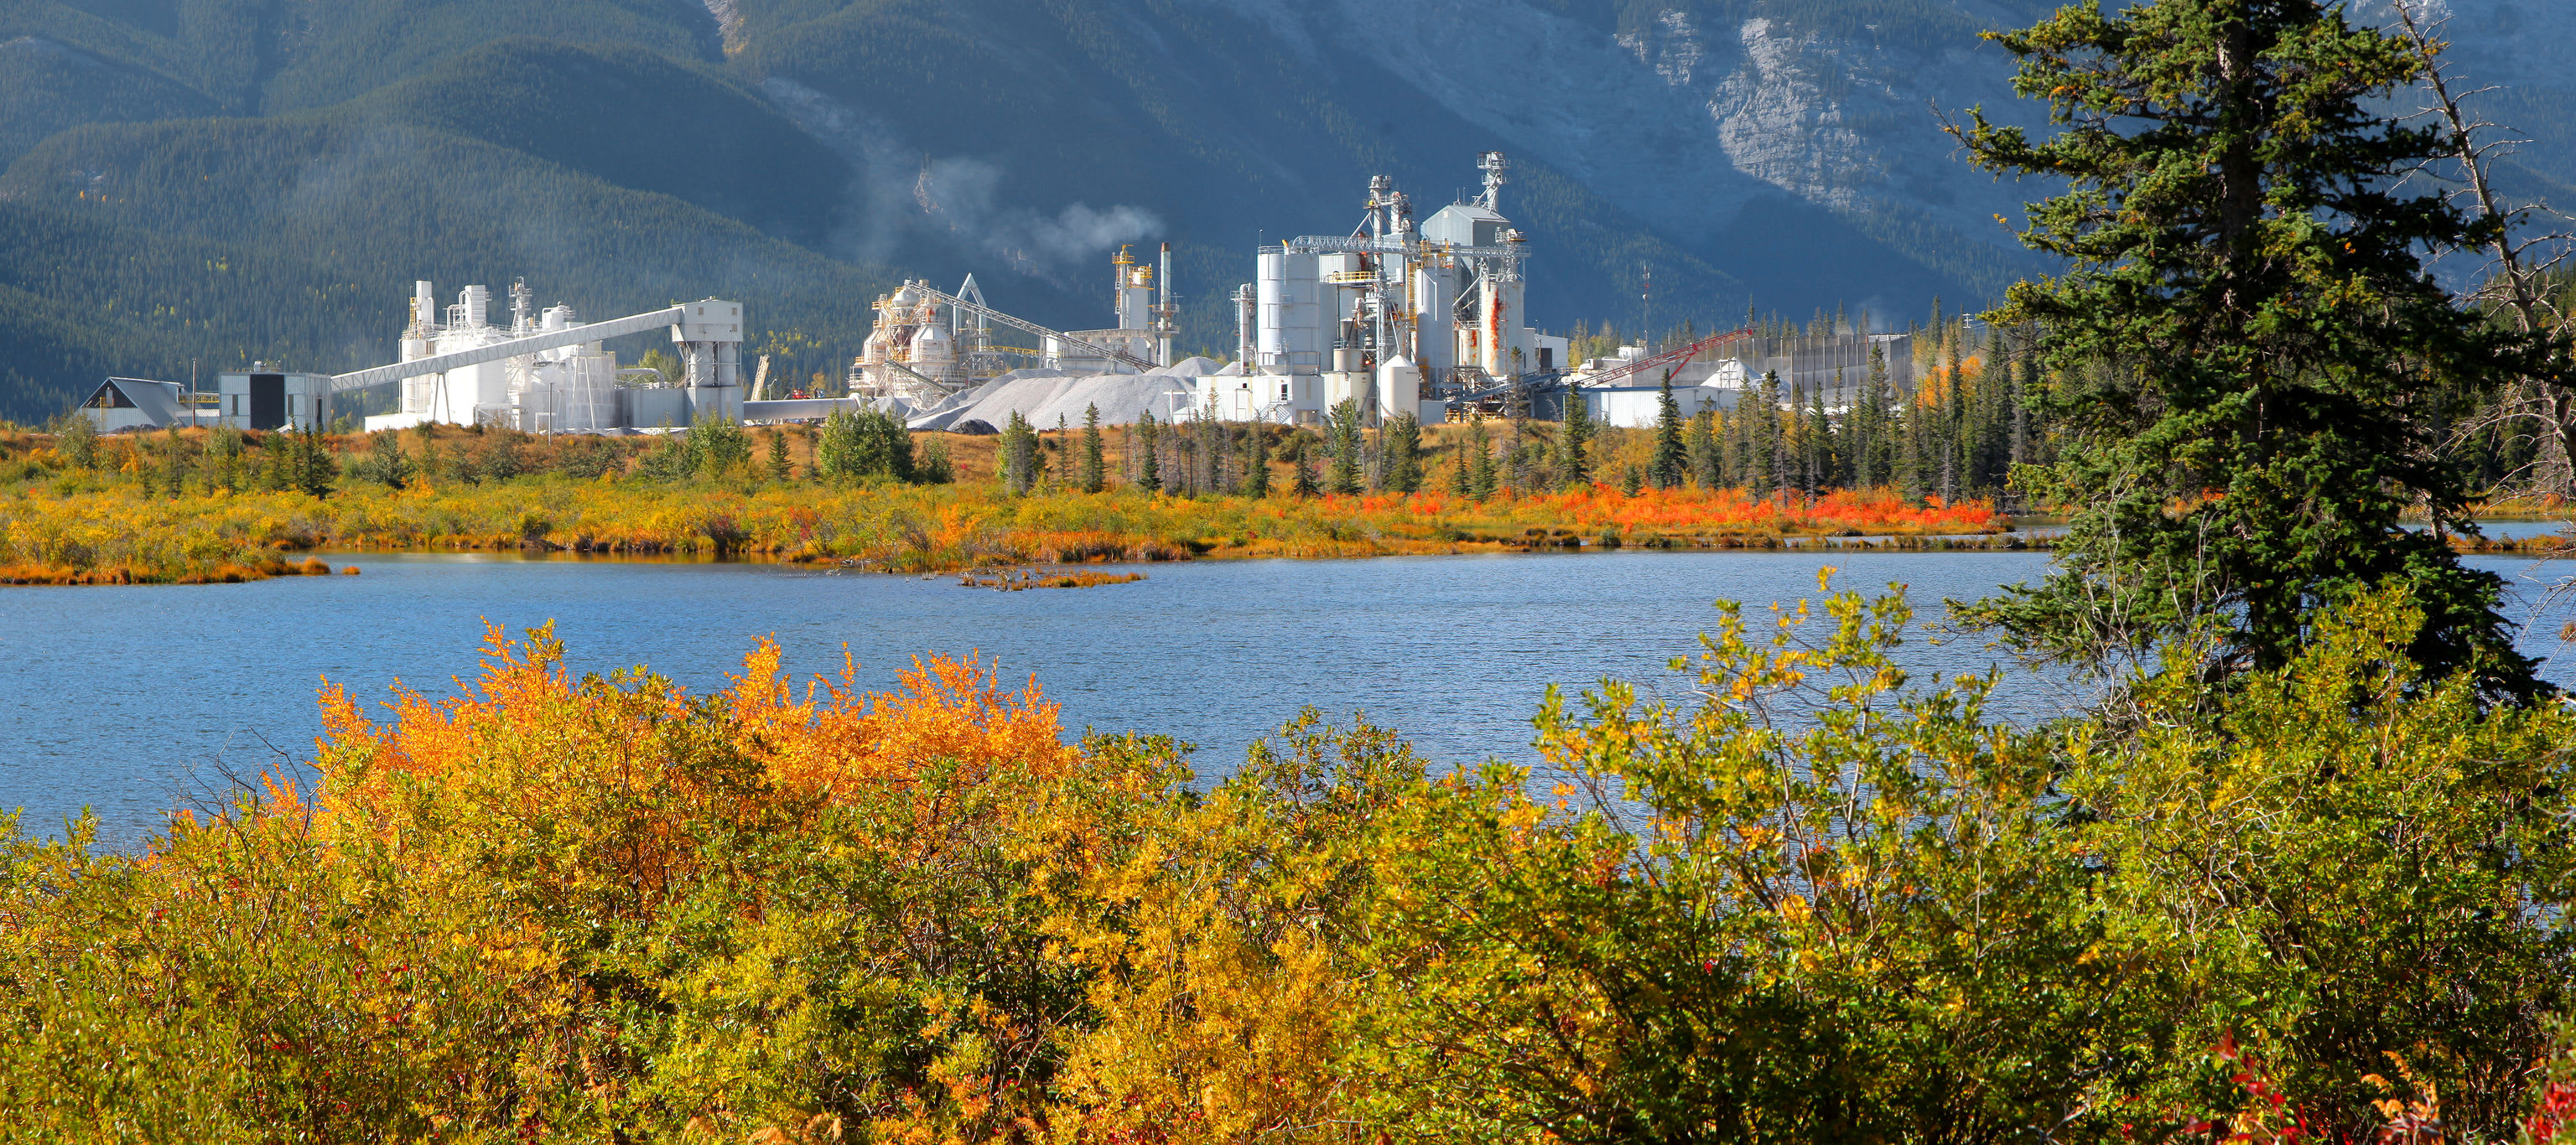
x: 552, y: 907
x: 1786, y: 894
x: 1805, y: 902
x: 96, y: 521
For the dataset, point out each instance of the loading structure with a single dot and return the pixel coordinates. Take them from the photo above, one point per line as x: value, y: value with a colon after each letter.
x: 927, y: 345
x: 547, y: 371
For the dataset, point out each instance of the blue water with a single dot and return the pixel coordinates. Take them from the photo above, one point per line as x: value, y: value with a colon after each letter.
x: 137, y: 700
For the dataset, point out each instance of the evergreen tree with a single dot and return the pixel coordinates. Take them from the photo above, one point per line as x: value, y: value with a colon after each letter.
x: 1458, y: 484
x: 1480, y: 478
x: 1910, y: 451
x: 1818, y: 430
x: 2246, y: 262
x: 1149, y: 468
x: 224, y: 458
x: 1020, y: 461
x: 1095, y: 473
x: 1740, y: 423
x: 313, y: 468
x: 174, y: 464
x: 1672, y: 458
x: 1630, y: 481
x: 385, y: 462
x: 1256, y: 461
x: 277, y: 469
x: 2026, y: 365
x: 1705, y: 457
x: 1573, y: 459
x: 1062, y: 447
x: 1404, y: 453
x: 779, y: 468
x: 1303, y: 467
x: 1764, y: 472
x: 1345, y: 475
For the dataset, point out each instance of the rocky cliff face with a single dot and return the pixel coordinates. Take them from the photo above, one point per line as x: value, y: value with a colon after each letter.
x: 1684, y: 112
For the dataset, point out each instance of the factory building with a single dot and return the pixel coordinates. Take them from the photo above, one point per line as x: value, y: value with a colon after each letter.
x: 1398, y: 317
x: 545, y: 371
x: 263, y: 398
x: 136, y: 403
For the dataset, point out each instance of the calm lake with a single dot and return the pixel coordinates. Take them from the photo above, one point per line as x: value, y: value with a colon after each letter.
x: 135, y: 700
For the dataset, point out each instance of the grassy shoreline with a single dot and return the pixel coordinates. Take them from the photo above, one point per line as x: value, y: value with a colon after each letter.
x: 151, y: 509
x: 154, y: 509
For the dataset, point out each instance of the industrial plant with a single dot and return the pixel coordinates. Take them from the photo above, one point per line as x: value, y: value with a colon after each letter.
x: 1397, y: 317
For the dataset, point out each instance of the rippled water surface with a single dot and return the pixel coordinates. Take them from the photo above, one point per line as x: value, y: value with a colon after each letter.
x: 131, y: 699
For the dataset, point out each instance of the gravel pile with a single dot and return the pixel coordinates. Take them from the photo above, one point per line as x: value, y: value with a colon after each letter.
x: 1043, y: 395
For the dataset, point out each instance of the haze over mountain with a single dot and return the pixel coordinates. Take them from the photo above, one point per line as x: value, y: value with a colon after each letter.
x: 223, y: 180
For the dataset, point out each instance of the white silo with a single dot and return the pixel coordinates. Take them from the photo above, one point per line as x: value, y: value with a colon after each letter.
x: 1399, y: 388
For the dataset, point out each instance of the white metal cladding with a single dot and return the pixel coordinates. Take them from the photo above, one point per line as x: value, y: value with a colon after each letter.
x: 513, y: 348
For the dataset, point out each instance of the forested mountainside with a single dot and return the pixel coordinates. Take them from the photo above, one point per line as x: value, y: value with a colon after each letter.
x: 223, y: 180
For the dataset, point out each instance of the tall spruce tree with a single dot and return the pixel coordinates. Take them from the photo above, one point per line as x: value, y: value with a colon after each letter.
x: 1480, y: 474
x: 1671, y: 465
x: 1256, y: 461
x: 1095, y: 474
x: 1344, y: 476
x: 1765, y: 472
x: 1019, y: 454
x: 1824, y: 452
x: 1573, y: 458
x: 2246, y: 276
x: 1149, y: 466
x: 1705, y: 457
x: 1404, y: 453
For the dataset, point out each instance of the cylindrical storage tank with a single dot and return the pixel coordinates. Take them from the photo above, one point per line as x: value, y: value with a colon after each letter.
x: 1290, y: 338
x: 1247, y: 326
x: 1345, y: 359
x: 478, y: 302
x: 1304, y: 316
x: 1399, y: 387
x: 1270, y: 302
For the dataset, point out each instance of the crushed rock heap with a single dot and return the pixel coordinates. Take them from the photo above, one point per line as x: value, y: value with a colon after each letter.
x: 1044, y: 395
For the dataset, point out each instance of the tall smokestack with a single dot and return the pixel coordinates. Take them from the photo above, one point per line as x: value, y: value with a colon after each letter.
x: 1168, y: 313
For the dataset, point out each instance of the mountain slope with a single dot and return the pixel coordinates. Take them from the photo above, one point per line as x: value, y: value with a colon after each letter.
x: 801, y: 154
